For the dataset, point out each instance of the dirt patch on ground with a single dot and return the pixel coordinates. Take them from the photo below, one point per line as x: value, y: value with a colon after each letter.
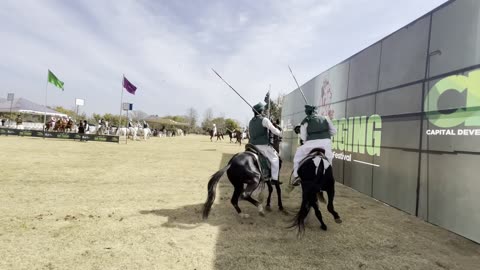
x: 76, y: 205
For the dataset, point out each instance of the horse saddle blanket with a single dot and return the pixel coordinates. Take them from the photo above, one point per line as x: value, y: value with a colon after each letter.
x: 264, y: 163
x: 317, y: 155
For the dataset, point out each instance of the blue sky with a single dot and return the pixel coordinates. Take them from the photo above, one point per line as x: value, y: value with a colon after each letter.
x: 167, y: 48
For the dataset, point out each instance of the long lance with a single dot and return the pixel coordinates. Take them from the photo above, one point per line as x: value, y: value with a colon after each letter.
x: 269, y: 104
x: 269, y: 110
x: 235, y: 91
x: 306, y: 102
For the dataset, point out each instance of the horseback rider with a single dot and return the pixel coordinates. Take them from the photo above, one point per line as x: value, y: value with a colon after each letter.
x: 315, y: 132
x: 101, y: 123
x: 258, y: 129
x: 81, y: 128
x: 214, y: 130
x: 19, y: 121
x: 145, y: 125
x: 86, y: 126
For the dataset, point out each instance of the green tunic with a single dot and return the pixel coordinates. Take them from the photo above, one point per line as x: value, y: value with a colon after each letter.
x: 258, y: 133
x: 317, y: 127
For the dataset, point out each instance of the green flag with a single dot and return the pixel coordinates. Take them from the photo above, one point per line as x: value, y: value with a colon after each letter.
x: 54, y: 80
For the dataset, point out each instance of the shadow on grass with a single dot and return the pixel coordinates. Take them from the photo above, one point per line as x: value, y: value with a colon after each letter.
x: 253, y: 243
x: 372, y: 239
x: 190, y: 216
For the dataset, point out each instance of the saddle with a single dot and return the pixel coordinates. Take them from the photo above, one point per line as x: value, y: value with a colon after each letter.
x: 262, y: 161
x: 315, y: 152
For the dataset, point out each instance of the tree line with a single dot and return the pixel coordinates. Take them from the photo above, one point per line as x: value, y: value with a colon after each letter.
x: 191, y: 117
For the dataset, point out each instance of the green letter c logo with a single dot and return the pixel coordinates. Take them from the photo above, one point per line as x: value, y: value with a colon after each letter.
x: 458, y: 83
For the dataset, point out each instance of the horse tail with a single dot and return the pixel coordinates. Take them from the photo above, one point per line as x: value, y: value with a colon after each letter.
x: 299, y: 219
x: 212, y: 187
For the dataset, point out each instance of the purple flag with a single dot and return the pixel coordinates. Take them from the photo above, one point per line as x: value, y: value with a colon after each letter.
x: 129, y: 86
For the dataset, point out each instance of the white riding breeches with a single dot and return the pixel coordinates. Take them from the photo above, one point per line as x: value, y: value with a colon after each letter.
x: 272, y: 156
x: 307, y: 147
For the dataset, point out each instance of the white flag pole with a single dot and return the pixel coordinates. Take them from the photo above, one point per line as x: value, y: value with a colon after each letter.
x: 45, y: 116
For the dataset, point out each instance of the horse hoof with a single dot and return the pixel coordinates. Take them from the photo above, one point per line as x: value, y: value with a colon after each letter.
x: 323, y: 227
x: 338, y: 220
x: 268, y: 208
x: 260, y: 210
x: 242, y: 215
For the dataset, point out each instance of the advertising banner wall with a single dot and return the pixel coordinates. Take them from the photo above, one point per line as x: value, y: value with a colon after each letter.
x: 407, y: 113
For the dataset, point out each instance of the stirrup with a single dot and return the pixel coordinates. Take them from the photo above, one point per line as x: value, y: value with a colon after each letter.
x: 296, y: 181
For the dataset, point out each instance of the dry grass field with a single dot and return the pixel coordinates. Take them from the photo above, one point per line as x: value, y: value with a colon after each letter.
x: 76, y: 205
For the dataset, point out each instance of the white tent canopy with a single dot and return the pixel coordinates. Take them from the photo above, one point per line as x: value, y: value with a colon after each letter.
x: 21, y: 105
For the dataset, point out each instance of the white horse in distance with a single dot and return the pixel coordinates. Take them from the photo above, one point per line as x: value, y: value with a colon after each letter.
x: 131, y: 131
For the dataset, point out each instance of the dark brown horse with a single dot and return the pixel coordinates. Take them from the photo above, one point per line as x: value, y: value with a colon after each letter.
x: 235, y: 134
x: 69, y: 126
x: 60, y: 125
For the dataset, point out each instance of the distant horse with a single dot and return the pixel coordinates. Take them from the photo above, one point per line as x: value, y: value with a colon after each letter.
x: 69, y: 126
x: 235, y: 134
x: 145, y: 133
x: 316, y: 175
x: 101, y: 130
x: 219, y: 135
x: 130, y: 131
x: 122, y: 131
x: 230, y: 134
x: 60, y: 125
x: 49, y: 125
x: 133, y: 131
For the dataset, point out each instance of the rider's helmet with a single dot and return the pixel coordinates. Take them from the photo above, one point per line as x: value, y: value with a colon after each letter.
x: 309, y: 109
x: 258, y: 108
